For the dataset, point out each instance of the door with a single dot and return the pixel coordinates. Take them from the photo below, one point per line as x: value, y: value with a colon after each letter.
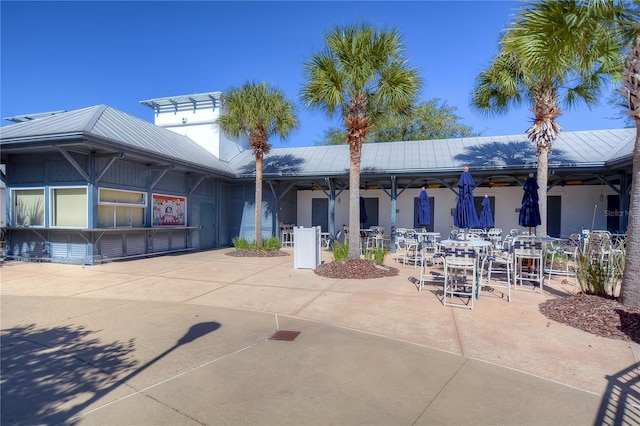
x: 371, y: 207
x: 613, y: 214
x: 320, y: 213
x: 554, y: 215
x: 207, y: 225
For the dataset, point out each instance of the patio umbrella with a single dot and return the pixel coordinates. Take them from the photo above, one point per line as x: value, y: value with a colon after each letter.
x: 424, y: 208
x: 486, y: 217
x: 363, y: 213
x: 465, y: 215
x: 530, y: 210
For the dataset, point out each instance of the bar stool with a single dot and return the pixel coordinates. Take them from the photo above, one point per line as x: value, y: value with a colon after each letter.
x: 528, y: 260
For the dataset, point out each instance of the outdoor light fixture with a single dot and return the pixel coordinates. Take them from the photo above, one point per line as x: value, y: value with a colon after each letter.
x: 601, y: 194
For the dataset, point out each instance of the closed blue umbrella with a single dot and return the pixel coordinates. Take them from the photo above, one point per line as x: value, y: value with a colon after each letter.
x: 486, y: 216
x: 530, y: 210
x: 465, y: 214
x: 424, y: 209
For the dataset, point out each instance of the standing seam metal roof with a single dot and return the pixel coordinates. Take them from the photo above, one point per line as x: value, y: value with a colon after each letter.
x: 571, y: 149
x: 120, y: 128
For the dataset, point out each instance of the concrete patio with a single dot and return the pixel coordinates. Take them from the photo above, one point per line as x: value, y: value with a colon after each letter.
x: 185, y: 339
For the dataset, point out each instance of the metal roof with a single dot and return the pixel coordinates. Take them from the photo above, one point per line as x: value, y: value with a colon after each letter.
x: 112, y: 129
x: 587, y: 149
x: 175, y: 102
x: 29, y: 117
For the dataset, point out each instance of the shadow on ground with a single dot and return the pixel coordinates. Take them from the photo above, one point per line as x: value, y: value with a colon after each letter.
x: 49, y: 375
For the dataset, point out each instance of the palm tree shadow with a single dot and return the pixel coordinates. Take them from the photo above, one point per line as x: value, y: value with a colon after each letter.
x: 276, y: 164
x: 46, y: 370
x: 505, y: 154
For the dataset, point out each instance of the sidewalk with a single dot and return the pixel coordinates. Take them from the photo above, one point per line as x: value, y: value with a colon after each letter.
x: 188, y: 339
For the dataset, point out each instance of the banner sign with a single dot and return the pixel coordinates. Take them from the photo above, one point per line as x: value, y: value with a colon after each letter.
x: 169, y: 210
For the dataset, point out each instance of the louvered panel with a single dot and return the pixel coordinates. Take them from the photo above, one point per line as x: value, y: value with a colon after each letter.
x: 178, y: 240
x: 135, y: 244
x: 110, y: 246
x: 160, y: 242
x: 78, y: 247
x: 59, y: 246
x: 26, y: 245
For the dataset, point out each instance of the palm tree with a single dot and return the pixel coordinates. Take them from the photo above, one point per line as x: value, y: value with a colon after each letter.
x: 630, y: 288
x: 556, y: 52
x: 259, y: 112
x: 360, y: 73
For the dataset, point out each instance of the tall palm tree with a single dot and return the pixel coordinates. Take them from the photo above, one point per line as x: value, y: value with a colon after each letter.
x: 630, y: 90
x: 259, y: 112
x: 630, y: 288
x: 360, y: 73
x: 555, y: 52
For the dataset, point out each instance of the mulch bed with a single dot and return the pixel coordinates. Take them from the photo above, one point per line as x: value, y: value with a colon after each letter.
x: 359, y: 269
x: 599, y: 315
x: 256, y: 253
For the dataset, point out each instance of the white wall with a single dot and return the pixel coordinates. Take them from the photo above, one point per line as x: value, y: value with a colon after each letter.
x: 199, y: 125
x: 577, y: 207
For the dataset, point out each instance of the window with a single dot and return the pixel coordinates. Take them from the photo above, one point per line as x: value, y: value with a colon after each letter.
x: 69, y: 207
x: 121, y: 208
x: 28, y: 207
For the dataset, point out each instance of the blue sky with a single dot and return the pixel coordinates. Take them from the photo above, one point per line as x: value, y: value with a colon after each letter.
x: 69, y: 55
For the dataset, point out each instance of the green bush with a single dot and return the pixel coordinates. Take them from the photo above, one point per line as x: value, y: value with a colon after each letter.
x: 340, y: 251
x: 269, y: 244
x: 592, y: 275
x: 601, y: 277
x: 376, y: 254
x: 241, y: 243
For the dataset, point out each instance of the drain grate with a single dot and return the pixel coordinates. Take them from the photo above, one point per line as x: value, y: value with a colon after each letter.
x: 287, y: 336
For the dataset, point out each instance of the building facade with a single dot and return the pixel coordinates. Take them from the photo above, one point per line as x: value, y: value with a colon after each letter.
x: 97, y: 184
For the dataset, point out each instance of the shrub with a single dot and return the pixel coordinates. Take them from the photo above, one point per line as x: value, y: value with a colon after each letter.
x: 241, y: 243
x: 269, y: 244
x: 599, y: 277
x: 376, y: 254
x: 340, y: 251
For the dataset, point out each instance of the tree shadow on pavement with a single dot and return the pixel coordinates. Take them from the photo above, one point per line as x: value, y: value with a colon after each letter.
x: 50, y: 375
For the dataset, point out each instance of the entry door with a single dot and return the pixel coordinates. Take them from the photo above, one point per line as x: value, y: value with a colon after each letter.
x: 554, y: 215
x: 208, y: 225
x: 613, y: 214
x: 320, y: 213
x: 371, y: 207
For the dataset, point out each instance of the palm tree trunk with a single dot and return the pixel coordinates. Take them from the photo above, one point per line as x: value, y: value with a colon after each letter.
x: 354, y: 205
x: 543, y: 179
x: 258, y: 200
x: 630, y: 287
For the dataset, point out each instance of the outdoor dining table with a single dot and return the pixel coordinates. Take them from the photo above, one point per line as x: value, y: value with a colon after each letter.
x: 481, y: 245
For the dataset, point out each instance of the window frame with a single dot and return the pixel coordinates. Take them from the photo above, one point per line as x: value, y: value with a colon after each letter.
x: 53, y: 217
x: 14, y: 204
